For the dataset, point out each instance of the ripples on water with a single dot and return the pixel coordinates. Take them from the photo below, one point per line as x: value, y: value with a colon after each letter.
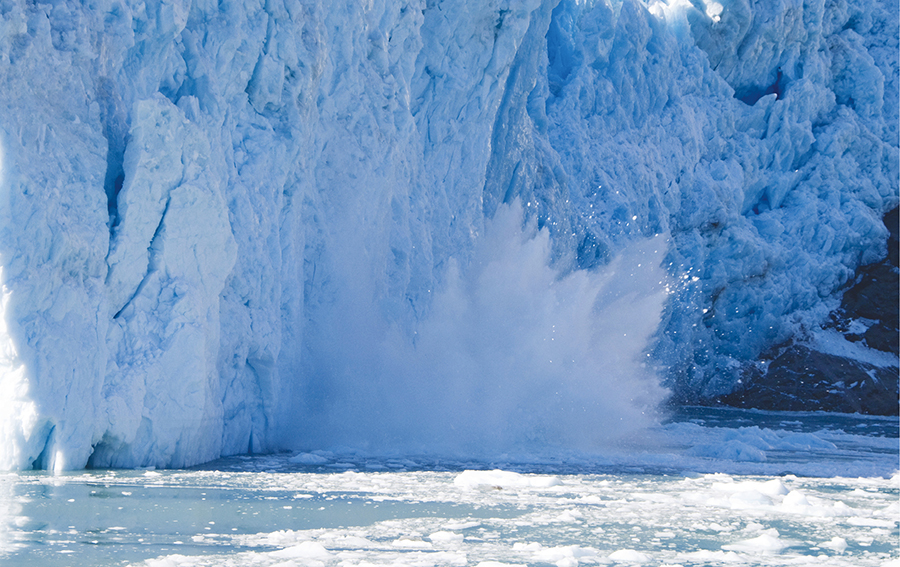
x: 711, y: 487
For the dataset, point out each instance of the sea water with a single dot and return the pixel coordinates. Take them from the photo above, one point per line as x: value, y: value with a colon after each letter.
x: 708, y: 487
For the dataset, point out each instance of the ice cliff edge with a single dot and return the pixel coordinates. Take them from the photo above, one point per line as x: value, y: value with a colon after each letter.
x: 199, y: 199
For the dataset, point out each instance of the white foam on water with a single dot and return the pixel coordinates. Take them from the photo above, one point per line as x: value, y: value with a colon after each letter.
x: 526, y: 523
x: 275, y: 511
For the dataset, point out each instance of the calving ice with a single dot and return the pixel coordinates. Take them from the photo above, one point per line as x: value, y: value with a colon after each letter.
x: 231, y: 227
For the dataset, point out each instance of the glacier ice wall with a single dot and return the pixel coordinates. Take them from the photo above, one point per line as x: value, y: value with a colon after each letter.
x: 199, y: 199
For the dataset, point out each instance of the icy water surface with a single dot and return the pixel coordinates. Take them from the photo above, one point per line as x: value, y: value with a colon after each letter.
x: 712, y: 487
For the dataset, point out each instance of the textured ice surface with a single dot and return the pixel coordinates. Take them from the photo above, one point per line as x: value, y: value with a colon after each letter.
x: 213, y: 214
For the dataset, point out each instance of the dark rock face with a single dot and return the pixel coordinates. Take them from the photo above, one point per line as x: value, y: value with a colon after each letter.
x: 795, y: 377
x: 802, y: 379
x: 875, y: 297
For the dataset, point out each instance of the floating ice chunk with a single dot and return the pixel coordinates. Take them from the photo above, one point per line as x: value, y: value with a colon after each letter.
x: 504, y: 479
x: 461, y: 525
x: 567, y: 517
x: 409, y: 543
x: 836, y: 543
x: 871, y: 522
x: 747, y: 495
x: 353, y: 541
x: 566, y: 555
x: 749, y: 499
x: 308, y: 459
x: 304, y: 550
x: 709, y: 556
x: 499, y: 564
x: 772, y: 488
x: 531, y: 546
x: 445, y: 537
x: 767, y: 542
x: 629, y: 556
x: 798, y: 503
x: 795, y: 499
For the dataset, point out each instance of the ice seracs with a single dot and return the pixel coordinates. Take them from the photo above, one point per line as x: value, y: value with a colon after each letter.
x: 212, y: 214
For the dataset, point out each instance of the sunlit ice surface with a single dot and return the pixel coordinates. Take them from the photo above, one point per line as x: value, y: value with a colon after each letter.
x: 714, y: 487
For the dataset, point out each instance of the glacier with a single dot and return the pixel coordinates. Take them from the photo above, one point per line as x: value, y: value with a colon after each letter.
x: 232, y: 227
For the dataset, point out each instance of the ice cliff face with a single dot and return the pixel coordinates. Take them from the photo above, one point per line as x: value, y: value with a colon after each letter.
x: 210, y: 211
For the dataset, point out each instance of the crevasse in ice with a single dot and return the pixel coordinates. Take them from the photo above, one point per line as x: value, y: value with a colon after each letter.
x: 212, y: 213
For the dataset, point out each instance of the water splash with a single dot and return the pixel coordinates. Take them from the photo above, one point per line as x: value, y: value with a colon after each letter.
x: 513, y: 356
